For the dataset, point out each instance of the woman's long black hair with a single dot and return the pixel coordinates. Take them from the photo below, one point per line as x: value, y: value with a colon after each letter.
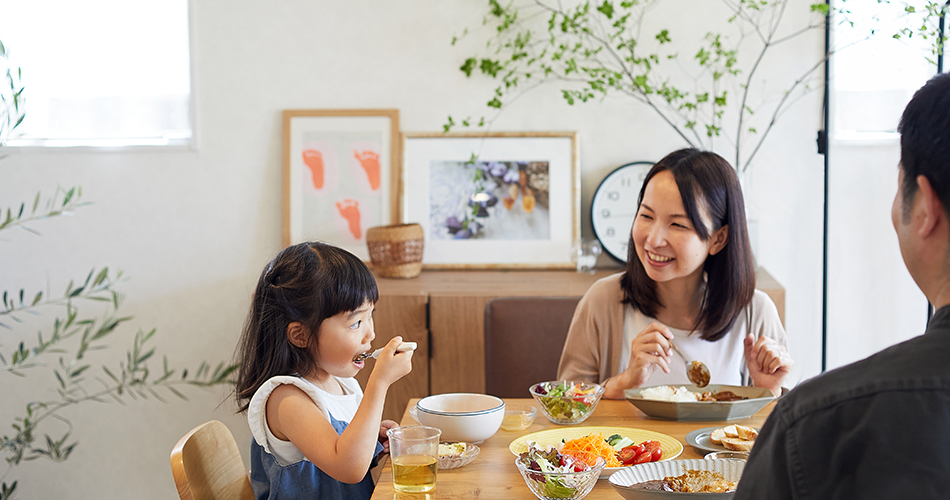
x: 705, y: 180
x: 307, y: 282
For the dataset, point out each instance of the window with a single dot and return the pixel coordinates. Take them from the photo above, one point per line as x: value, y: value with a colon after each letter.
x: 867, y: 100
x: 101, y: 72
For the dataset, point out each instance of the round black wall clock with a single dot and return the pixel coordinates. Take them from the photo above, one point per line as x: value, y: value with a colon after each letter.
x: 615, y: 205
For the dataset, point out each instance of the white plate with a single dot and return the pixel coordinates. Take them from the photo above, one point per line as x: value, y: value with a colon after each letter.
x: 621, y: 481
x: 700, y: 439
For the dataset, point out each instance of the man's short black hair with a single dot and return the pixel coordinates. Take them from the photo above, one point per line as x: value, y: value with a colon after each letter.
x: 925, y: 141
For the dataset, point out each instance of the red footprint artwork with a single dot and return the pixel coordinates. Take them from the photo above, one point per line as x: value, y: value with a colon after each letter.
x: 350, y: 210
x: 369, y: 160
x: 314, y: 160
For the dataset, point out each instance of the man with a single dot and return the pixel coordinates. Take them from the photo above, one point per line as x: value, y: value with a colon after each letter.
x: 880, y: 427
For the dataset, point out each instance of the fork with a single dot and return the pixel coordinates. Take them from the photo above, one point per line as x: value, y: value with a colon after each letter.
x: 405, y: 346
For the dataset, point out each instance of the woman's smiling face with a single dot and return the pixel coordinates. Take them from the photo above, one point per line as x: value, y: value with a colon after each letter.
x: 666, y: 241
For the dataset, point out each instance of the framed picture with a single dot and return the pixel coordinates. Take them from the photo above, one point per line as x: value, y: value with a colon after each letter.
x: 495, y: 200
x: 341, y: 175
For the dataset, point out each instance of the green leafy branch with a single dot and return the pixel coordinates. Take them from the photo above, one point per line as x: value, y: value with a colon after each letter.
x: 63, y: 202
x: 11, y: 99
x: 599, y: 48
x: 131, y: 379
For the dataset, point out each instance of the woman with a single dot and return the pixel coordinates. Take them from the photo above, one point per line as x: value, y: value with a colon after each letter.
x: 689, y: 279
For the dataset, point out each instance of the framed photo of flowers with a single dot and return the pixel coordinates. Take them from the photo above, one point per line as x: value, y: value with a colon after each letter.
x: 341, y: 171
x: 493, y: 200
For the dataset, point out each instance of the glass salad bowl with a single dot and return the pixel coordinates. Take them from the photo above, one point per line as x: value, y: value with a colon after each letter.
x: 567, y: 402
x: 552, y: 475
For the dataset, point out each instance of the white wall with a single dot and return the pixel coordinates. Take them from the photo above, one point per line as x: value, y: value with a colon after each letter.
x: 192, y: 228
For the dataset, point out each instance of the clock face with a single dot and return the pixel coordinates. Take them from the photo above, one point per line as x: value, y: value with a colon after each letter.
x: 615, y: 205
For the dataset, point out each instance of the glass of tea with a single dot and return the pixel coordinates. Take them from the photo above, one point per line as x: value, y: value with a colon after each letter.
x: 414, y: 451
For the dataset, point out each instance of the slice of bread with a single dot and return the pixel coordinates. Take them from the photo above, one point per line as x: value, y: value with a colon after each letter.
x: 747, y: 433
x: 731, y: 431
x: 737, y: 444
x: 716, y: 436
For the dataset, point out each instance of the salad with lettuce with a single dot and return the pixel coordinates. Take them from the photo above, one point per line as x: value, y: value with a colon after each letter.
x: 553, y: 471
x: 567, y: 401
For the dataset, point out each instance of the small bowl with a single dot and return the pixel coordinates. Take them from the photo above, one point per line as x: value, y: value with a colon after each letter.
x: 471, y: 451
x: 462, y: 416
x: 567, y: 409
x: 571, y: 485
x: 720, y: 455
x: 518, y: 417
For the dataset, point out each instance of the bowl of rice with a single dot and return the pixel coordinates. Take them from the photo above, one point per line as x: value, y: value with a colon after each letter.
x: 689, y: 402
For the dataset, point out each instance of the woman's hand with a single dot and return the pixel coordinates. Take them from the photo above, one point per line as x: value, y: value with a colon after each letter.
x: 384, y: 426
x: 391, y: 365
x: 649, y: 350
x: 769, y: 363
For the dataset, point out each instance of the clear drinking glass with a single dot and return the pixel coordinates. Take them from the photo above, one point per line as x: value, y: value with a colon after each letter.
x: 414, y: 451
x: 585, y: 255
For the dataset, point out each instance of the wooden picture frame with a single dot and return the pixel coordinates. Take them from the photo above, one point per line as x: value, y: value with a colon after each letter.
x: 341, y: 174
x: 503, y: 200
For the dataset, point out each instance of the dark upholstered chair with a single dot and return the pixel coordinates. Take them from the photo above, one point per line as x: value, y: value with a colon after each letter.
x: 523, y: 341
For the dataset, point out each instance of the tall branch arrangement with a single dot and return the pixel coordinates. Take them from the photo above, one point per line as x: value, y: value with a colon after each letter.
x: 595, y: 49
x: 60, y: 351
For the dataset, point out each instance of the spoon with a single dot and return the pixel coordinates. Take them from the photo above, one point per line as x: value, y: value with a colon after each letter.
x: 405, y: 346
x: 696, y: 371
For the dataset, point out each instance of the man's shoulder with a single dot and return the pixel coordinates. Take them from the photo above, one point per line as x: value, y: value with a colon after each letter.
x: 916, y: 365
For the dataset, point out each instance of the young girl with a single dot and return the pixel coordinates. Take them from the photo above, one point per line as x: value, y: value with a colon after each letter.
x: 690, y: 279
x: 315, y: 433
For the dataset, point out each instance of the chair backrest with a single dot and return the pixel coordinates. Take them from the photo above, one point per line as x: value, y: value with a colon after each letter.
x: 207, y: 465
x: 523, y: 341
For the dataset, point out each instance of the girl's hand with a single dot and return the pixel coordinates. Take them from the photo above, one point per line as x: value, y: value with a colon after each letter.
x: 384, y: 426
x: 769, y: 363
x: 649, y: 350
x: 390, y: 365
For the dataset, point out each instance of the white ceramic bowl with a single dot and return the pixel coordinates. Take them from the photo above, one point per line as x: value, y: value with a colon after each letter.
x: 462, y: 416
x: 623, y: 480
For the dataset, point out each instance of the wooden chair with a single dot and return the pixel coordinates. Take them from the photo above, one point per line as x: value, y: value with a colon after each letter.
x: 524, y: 337
x: 207, y: 465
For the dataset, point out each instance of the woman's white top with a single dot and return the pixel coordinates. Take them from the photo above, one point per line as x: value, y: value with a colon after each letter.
x: 725, y: 357
x: 341, y: 407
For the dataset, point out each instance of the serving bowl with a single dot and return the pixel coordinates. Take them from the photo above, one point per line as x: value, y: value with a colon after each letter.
x: 758, y: 398
x: 462, y: 416
x: 623, y: 480
x: 573, y: 408
x: 563, y: 485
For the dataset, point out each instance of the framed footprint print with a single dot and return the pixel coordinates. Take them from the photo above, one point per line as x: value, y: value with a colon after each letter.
x: 341, y: 170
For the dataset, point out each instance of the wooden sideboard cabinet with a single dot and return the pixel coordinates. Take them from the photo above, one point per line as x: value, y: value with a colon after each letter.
x: 444, y: 312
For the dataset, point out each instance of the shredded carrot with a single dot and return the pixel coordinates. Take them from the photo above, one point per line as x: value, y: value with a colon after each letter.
x: 594, y: 443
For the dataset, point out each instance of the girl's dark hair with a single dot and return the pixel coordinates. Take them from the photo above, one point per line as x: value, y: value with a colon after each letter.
x: 705, y: 180
x: 307, y: 282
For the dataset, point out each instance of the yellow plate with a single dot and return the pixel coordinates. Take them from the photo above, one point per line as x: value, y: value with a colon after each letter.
x: 552, y: 437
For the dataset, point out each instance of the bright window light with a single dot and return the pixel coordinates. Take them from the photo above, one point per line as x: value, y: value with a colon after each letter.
x: 874, y: 76
x: 101, y: 72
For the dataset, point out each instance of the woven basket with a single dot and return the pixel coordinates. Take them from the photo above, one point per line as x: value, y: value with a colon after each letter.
x: 396, y: 251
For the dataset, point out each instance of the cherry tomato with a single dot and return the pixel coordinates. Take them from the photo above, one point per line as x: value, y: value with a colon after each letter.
x: 653, y: 449
x: 580, y: 466
x: 626, y: 455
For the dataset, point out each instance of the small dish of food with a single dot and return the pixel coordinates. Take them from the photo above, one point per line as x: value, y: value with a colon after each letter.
x: 688, y: 402
x: 714, y: 479
x: 455, y: 455
x: 738, y: 438
x: 553, y: 475
x: 518, y: 416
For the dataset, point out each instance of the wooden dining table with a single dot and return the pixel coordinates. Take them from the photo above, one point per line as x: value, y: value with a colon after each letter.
x: 493, y: 474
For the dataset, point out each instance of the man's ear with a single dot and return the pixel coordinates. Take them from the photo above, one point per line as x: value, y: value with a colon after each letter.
x: 297, y: 335
x: 931, y: 209
x: 718, y: 240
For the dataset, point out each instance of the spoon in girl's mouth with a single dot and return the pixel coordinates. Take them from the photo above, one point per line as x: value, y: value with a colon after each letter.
x: 405, y: 346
